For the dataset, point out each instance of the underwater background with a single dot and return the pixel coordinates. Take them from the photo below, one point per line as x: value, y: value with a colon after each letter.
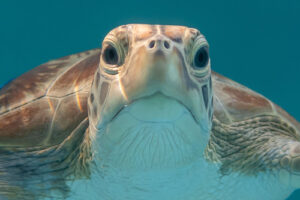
x: 253, y: 42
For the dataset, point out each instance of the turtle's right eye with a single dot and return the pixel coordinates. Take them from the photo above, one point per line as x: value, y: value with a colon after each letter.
x: 201, y: 58
x: 110, y: 55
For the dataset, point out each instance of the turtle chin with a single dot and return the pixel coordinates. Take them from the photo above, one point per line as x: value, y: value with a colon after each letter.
x: 151, y: 133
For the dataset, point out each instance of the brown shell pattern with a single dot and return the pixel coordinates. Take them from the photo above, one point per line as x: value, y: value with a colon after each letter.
x: 234, y: 102
x: 44, y: 105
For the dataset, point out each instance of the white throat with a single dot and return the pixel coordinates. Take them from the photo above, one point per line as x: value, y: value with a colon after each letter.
x: 151, y: 133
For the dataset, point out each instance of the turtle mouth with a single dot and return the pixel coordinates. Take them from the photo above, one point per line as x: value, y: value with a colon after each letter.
x: 156, y: 108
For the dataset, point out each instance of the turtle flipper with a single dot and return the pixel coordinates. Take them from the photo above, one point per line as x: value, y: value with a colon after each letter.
x: 265, y: 143
x: 26, y: 173
x: 290, y: 163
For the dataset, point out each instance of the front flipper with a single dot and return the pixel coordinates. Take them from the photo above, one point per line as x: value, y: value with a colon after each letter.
x: 290, y: 162
x: 39, y: 172
x: 263, y: 144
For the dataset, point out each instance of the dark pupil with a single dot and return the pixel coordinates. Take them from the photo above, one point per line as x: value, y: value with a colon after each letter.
x: 110, y: 55
x: 201, y: 58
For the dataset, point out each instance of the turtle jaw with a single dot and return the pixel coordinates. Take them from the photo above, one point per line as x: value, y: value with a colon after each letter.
x: 149, y: 133
x: 156, y: 108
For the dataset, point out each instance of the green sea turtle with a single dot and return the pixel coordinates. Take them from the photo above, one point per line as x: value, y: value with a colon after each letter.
x: 143, y: 118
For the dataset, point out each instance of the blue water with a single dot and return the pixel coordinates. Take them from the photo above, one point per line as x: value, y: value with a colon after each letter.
x: 253, y: 42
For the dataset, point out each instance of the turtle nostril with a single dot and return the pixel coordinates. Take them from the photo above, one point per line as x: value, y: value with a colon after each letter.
x: 151, y: 44
x: 166, y: 44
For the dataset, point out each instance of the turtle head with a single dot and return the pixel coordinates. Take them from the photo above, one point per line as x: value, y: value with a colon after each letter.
x: 153, y: 82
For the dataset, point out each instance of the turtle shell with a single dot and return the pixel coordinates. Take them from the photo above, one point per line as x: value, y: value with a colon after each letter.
x: 234, y: 102
x: 43, y: 106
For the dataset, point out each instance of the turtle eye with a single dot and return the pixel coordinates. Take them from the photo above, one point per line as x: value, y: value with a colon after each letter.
x: 110, y: 55
x: 201, y: 58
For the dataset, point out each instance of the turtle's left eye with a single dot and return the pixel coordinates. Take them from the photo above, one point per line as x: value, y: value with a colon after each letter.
x: 201, y: 58
x: 110, y: 55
